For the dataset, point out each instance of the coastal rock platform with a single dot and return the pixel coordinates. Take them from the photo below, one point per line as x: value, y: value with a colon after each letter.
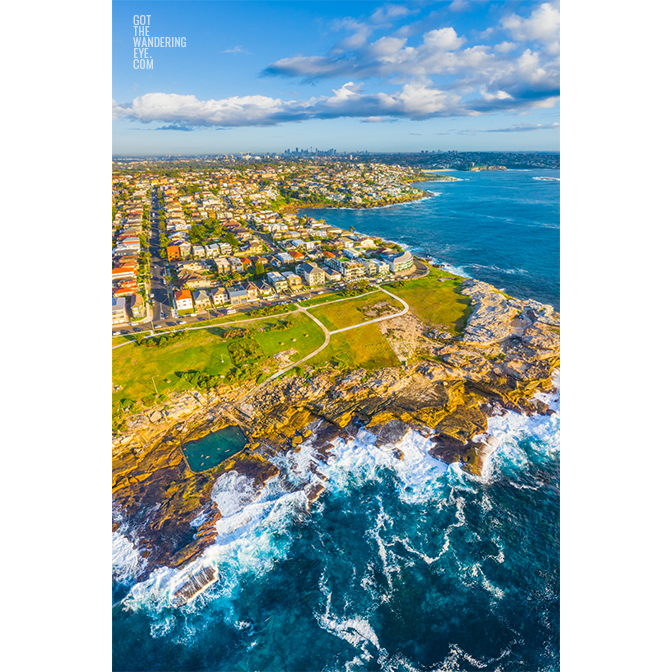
x: 447, y: 389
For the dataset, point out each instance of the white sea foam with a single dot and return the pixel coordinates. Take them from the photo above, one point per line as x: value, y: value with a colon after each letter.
x: 361, y: 458
x: 508, y: 271
x: 254, y: 530
x: 356, y: 629
x: 455, y: 270
x: 249, y: 540
x: 126, y: 560
x: 541, y: 432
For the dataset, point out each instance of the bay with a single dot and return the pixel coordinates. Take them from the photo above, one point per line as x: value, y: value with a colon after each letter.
x: 502, y: 227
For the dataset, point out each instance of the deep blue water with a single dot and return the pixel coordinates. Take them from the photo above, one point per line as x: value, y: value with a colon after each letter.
x: 400, y: 565
x: 499, y: 227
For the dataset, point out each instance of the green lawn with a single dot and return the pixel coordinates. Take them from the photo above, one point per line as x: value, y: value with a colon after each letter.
x: 436, y: 302
x: 272, y: 342
x: 118, y: 340
x: 205, y: 351
x: 346, y: 313
x: 330, y: 296
x: 365, y: 347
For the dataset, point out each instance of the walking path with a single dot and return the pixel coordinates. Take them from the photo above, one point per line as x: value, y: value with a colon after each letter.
x: 305, y: 311
x: 328, y: 334
x: 378, y: 319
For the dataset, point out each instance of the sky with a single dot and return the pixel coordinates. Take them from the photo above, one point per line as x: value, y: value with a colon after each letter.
x: 353, y: 76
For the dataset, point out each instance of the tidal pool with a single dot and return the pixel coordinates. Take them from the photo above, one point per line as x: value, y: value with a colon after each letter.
x: 213, y: 448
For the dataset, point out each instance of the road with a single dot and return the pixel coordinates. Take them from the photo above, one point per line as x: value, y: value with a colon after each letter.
x: 157, y: 267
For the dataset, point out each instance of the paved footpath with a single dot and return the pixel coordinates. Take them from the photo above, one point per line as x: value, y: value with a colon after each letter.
x: 328, y: 334
x: 300, y: 309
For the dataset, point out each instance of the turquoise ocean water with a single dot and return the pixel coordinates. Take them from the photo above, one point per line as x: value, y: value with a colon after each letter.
x: 400, y: 565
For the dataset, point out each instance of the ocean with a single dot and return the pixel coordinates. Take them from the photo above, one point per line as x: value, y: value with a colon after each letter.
x: 502, y: 227
x: 401, y: 564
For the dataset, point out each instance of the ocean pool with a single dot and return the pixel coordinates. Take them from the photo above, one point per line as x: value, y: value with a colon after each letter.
x: 211, y: 449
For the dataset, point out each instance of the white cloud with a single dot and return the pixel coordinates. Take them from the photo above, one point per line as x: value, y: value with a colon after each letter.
x: 505, y: 47
x: 542, y: 26
x: 444, y: 39
x: 391, y: 12
x: 459, y: 5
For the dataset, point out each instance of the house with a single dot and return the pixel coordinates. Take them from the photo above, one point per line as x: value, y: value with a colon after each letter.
x: 123, y: 273
x: 278, y: 281
x: 367, y: 242
x: 331, y: 275
x: 225, y: 248
x: 126, y: 288
x: 254, y: 247
x: 400, y: 262
x: 282, y: 259
x: 236, y: 265
x: 312, y: 274
x: 119, y: 310
x: 219, y: 296
x: 212, y: 250
x: 173, y: 252
x: 201, y: 300
x: 382, y: 267
x: 199, y: 251
x: 237, y: 295
x: 348, y: 269
x: 192, y: 280
x: 137, y: 306
x: 183, y: 300
x: 293, y: 280
x: 296, y: 256
x: 265, y: 289
x: 223, y: 265
x: 252, y: 291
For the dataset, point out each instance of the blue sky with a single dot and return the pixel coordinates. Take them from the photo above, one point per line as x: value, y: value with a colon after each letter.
x: 396, y: 76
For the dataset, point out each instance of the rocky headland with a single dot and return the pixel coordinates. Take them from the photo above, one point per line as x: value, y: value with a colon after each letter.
x: 449, y: 386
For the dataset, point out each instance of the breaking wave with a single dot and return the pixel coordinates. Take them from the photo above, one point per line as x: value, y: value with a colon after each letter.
x: 391, y: 517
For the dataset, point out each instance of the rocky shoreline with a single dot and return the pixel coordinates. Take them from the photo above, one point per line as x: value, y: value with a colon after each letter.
x: 508, y: 352
x: 294, y: 207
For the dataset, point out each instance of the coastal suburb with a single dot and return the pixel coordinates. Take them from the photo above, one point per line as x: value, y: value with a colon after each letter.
x: 243, y: 327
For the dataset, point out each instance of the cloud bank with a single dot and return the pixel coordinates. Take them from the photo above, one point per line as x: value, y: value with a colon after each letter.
x: 441, y: 75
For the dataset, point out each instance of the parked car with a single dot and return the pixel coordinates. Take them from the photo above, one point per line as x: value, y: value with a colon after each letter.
x: 137, y: 329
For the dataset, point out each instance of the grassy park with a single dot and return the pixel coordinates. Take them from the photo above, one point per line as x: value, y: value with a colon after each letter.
x: 365, y: 347
x: 436, y: 299
x: 232, y: 350
x: 213, y: 352
x: 347, y: 313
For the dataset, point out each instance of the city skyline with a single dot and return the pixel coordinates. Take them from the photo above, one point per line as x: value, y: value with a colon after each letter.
x: 353, y: 76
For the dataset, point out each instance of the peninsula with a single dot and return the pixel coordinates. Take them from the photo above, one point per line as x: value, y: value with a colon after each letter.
x: 296, y: 334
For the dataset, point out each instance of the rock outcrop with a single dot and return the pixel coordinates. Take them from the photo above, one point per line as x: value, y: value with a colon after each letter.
x: 447, y: 389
